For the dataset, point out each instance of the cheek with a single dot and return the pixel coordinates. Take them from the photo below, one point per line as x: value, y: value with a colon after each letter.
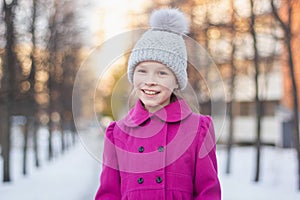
x: 171, y: 84
x: 136, y: 81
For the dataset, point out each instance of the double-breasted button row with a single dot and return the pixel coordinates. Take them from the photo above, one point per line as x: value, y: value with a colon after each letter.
x: 160, y: 149
x: 141, y: 180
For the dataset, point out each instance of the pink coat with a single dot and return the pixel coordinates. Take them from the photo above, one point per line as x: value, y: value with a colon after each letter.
x: 169, y: 154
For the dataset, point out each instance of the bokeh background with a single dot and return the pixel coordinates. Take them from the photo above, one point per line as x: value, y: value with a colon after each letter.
x: 44, y: 43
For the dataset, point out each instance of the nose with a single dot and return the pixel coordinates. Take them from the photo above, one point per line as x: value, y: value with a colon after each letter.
x: 150, y: 80
x: 150, y: 83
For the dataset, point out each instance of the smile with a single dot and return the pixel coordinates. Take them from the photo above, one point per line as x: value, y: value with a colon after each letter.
x: 150, y: 92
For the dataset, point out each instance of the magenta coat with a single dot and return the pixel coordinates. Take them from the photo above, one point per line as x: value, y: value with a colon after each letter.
x: 170, y: 154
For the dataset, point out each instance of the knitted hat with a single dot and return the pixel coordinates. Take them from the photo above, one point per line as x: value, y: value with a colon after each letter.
x: 163, y: 43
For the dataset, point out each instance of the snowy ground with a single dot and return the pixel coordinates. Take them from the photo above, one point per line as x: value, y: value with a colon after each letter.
x: 72, y: 176
x: 278, y: 178
x: 75, y: 174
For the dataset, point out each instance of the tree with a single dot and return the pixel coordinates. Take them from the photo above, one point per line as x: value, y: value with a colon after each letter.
x: 32, y: 79
x: 286, y: 25
x: 231, y: 103
x: 30, y: 64
x: 8, y: 85
x: 258, y: 102
x: 31, y: 115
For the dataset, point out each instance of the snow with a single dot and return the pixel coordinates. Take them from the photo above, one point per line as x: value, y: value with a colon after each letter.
x: 71, y: 176
x: 278, y: 178
x: 245, y: 129
x: 75, y: 174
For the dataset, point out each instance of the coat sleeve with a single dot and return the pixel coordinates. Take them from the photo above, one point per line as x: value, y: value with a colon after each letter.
x: 109, y: 188
x: 206, y: 181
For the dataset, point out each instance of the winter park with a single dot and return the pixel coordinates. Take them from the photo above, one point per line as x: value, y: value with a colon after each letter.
x: 79, y: 79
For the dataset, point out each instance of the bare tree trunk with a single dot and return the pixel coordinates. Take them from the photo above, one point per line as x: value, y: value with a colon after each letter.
x: 231, y: 116
x: 296, y: 106
x: 35, y: 143
x: 232, y: 93
x: 6, y: 141
x: 288, y: 42
x: 50, y: 146
x: 258, y: 102
x: 32, y: 82
x: 50, y: 123
x: 52, y: 86
x: 295, y: 98
x: 73, y: 131
x: 1, y: 137
x: 25, y: 144
x: 62, y: 134
x: 8, y: 86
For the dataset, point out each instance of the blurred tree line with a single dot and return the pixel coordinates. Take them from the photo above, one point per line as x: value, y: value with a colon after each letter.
x: 40, y: 45
x: 40, y: 52
x: 244, y: 38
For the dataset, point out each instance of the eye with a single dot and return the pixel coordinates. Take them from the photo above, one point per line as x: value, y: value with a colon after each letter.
x: 163, y: 73
x: 141, y: 71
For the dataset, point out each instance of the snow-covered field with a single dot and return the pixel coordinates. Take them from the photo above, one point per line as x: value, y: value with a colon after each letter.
x: 75, y: 174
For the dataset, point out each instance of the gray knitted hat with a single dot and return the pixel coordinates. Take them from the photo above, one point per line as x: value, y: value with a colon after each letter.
x: 163, y: 43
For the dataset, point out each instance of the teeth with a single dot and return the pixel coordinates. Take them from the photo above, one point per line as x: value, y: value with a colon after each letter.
x: 150, y: 92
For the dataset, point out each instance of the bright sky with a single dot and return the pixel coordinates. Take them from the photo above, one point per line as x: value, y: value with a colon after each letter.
x: 112, y: 16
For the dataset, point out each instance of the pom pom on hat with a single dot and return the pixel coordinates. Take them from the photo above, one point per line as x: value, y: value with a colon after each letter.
x: 169, y: 20
x: 163, y: 43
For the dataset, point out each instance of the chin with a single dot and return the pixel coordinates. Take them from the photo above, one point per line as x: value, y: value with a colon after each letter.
x: 150, y: 104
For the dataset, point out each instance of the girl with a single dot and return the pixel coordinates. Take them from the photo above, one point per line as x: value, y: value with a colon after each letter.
x: 161, y: 149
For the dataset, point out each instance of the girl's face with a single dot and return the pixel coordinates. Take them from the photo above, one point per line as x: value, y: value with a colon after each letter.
x: 154, y: 83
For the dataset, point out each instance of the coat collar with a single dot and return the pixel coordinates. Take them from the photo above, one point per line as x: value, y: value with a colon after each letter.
x: 173, y: 112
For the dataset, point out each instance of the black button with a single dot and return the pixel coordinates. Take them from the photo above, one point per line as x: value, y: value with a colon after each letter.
x: 161, y: 149
x: 158, y: 179
x: 141, y: 149
x: 140, y: 180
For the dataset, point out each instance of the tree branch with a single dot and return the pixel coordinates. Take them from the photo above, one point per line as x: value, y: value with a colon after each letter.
x: 290, y: 11
x: 276, y: 15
